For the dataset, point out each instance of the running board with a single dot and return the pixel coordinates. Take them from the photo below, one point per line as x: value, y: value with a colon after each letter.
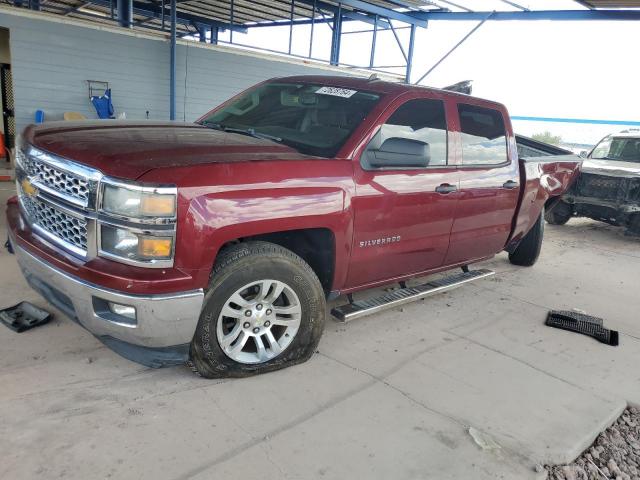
x: 361, y: 308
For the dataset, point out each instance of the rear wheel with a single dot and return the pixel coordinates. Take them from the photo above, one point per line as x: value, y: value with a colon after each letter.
x: 528, y: 251
x: 559, y: 214
x: 633, y: 227
x: 264, y: 310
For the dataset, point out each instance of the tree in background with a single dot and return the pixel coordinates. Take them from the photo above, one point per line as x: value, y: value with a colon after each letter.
x: 547, y: 137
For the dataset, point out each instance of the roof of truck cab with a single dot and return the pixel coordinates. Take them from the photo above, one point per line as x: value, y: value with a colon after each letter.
x: 374, y: 86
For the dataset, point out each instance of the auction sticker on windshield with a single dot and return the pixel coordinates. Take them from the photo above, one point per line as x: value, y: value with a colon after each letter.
x: 336, y: 92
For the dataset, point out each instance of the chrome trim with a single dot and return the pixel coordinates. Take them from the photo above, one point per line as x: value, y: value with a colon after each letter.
x: 162, y: 320
x: 153, y: 263
x: 161, y: 189
x: 64, y: 164
x: 90, y: 210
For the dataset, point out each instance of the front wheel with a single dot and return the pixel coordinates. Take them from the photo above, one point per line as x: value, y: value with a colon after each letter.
x: 528, y: 251
x: 264, y: 310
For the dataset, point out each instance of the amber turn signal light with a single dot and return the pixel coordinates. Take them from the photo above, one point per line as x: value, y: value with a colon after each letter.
x: 155, y: 247
x: 161, y: 205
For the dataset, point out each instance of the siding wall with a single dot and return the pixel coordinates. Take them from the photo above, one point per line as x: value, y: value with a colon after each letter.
x: 51, y: 61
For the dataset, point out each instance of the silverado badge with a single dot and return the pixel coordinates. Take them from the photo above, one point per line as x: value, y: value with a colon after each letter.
x: 28, y: 188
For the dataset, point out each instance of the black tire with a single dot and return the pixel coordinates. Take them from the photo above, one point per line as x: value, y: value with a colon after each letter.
x: 240, y: 265
x: 559, y: 214
x: 633, y: 226
x: 528, y: 251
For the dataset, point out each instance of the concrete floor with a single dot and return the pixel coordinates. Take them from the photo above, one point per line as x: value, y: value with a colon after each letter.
x: 390, y: 396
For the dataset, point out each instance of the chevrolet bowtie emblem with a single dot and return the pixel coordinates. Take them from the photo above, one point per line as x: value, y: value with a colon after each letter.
x: 28, y: 188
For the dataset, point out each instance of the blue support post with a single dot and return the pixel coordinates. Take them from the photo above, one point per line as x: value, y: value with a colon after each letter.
x: 34, y: 5
x: 214, y: 34
x: 172, y: 76
x: 412, y: 38
x: 336, y: 38
x: 373, y: 42
x: 231, y: 15
x: 202, y: 33
x: 125, y: 13
x: 313, y: 23
x: 293, y: 6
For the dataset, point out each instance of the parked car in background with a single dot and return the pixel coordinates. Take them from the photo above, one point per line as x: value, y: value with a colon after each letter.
x: 608, y: 188
x: 219, y: 241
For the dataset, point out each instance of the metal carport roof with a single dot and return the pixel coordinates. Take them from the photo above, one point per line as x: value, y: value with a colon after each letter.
x: 202, y: 20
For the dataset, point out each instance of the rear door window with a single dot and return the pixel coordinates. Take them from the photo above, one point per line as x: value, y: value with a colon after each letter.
x: 484, y: 140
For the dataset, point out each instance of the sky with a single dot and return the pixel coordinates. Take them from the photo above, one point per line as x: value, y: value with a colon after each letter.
x: 561, y: 69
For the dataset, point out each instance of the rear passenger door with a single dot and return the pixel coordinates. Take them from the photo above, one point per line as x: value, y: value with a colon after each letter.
x: 404, y: 205
x: 489, y: 185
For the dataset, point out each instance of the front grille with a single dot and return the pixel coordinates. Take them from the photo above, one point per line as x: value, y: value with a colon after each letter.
x: 605, y: 188
x: 67, y: 228
x: 56, y: 179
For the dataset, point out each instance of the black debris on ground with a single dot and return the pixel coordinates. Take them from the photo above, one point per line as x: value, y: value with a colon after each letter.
x: 614, y: 455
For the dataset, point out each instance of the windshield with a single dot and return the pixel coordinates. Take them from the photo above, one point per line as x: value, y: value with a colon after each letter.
x: 313, y: 119
x: 625, y: 149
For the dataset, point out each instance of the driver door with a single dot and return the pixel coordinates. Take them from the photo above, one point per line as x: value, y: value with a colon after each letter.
x: 404, y: 214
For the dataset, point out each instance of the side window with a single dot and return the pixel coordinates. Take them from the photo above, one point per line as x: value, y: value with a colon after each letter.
x: 484, y: 141
x: 414, y: 136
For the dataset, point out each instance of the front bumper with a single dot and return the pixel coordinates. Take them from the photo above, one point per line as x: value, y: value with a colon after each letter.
x: 160, y: 334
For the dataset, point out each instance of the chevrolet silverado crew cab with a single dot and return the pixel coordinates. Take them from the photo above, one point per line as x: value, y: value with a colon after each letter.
x: 218, y: 242
x: 608, y: 188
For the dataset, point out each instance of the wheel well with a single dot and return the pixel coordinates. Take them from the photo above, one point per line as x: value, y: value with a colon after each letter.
x: 316, y: 246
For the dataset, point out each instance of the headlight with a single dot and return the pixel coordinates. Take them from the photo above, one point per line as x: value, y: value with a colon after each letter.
x: 143, y: 202
x: 137, y: 247
x: 137, y: 223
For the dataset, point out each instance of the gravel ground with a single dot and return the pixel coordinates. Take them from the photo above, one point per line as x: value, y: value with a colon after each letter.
x: 614, y: 455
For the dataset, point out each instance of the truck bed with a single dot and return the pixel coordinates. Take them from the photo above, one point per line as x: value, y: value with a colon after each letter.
x: 546, y: 172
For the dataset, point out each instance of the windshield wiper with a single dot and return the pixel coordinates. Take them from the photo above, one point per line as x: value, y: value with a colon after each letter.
x: 252, y: 132
x: 243, y: 131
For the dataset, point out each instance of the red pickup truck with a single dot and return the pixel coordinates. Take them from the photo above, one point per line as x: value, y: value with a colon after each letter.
x: 218, y: 242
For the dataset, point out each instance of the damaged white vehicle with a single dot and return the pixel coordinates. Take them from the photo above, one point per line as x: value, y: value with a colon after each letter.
x: 608, y: 188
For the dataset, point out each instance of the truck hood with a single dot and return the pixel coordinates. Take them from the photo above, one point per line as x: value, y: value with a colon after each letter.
x: 128, y: 149
x: 611, y: 168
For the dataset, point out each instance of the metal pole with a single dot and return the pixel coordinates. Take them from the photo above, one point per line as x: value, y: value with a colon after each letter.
x: 335, y: 40
x: 162, y: 15
x: 313, y: 20
x: 231, y: 23
x: 293, y: 4
x: 395, y: 34
x: 214, y: 35
x: 125, y: 13
x: 412, y: 38
x: 172, y: 77
x: 373, y: 41
x: 455, y: 46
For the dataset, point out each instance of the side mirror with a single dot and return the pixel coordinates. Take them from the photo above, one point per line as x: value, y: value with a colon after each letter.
x: 583, y: 154
x: 399, y: 152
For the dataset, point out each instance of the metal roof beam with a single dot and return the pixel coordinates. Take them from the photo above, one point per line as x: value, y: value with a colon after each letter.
x: 361, y: 17
x: 155, y: 11
x: 535, y: 15
x: 408, y: 17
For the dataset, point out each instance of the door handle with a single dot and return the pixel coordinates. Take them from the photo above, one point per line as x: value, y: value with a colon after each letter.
x: 446, y: 188
x: 510, y: 184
